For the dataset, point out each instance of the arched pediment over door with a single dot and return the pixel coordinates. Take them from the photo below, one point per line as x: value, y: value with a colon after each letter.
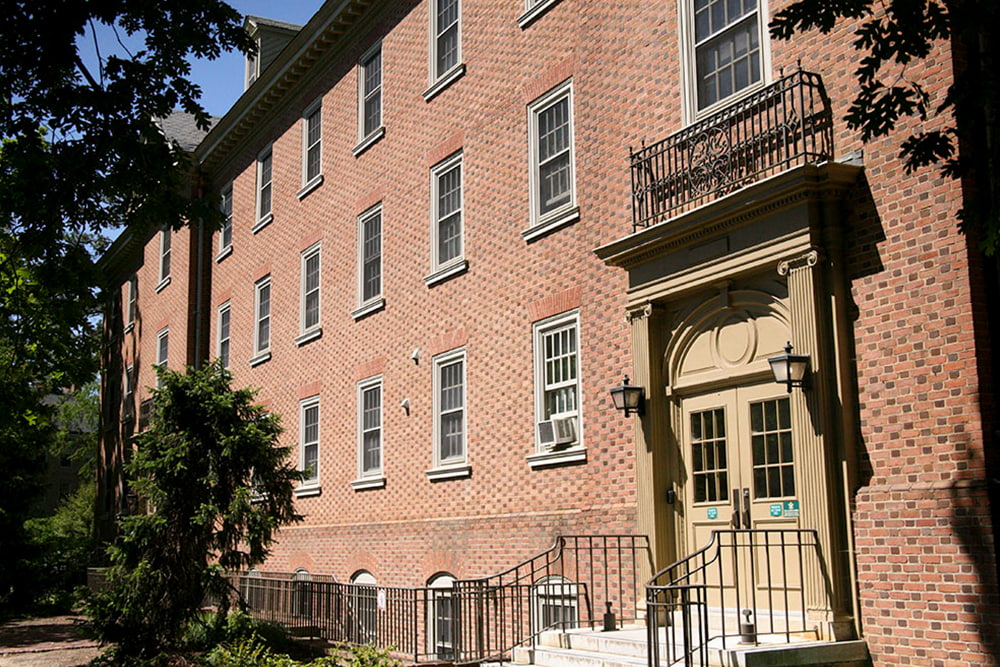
x: 725, y: 336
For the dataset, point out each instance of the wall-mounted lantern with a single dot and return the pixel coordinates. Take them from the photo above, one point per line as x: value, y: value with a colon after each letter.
x: 628, y: 398
x: 791, y: 370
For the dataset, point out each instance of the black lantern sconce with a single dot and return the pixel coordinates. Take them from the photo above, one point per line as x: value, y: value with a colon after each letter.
x: 791, y: 370
x: 628, y: 398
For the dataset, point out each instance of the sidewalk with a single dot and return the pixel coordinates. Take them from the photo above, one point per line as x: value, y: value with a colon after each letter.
x: 55, y: 641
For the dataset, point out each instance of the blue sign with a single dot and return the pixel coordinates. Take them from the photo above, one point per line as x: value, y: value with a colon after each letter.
x: 713, y: 512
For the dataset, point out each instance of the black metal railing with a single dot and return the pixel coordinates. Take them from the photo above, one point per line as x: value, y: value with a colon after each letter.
x: 785, y: 124
x: 743, y: 586
x: 567, y: 586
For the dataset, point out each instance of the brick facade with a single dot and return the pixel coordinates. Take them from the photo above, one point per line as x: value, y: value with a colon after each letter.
x: 921, y: 522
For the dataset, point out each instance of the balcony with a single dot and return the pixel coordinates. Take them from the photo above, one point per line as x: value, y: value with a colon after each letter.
x: 787, y: 124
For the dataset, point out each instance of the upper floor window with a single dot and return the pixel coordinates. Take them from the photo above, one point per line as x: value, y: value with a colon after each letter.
x: 262, y: 321
x: 222, y: 351
x: 312, y: 148
x: 309, y: 441
x: 557, y: 382
x: 450, y: 458
x: 369, y: 261
x: 447, y: 228
x: 553, y: 189
x: 128, y: 397
x: 264, y: 213
x: 310, y: 302
x: 728, y: 57
x: 370, y: 433
x: 532, y: 10
x: 133, y: 295
x: 445, y: 45
x: 226, y: 232
x: 162, y: 351
x: 369, y: 98
x: 165, y: 241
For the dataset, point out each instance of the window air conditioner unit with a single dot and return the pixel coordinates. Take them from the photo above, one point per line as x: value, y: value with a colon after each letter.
x: 555, y: 432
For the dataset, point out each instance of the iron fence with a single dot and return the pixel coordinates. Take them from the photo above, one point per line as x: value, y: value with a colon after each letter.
x: 743, y: 586
x: 785, y: 124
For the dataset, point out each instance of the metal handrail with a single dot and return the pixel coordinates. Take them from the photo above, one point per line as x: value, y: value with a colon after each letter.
x: 782, y: 125
x: 765, y: 579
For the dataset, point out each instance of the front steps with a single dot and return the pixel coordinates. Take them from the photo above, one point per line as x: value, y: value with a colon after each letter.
x: 627, y: 648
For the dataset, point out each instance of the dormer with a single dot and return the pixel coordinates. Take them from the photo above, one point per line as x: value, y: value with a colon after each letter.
x: 271, y: 37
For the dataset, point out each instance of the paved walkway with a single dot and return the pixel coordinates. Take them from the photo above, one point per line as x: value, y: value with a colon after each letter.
x: 55, y: 641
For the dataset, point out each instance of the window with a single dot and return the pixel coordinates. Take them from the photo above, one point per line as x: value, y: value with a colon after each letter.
x: 449, y: 416
x: 226, y: 233
x: 309, y: 315
x: 165, y: 240
x: 162, y: 350
x: 553, y: 197
x: 363, y: 612
x: 727, y: 54
x: 447, y: 228
x: 264, y: 213
x: 262, y: 318
x: 771, y: 439
x: 309, y: 443
x: 710, y: 466
x: 312, y: 148
x: 532, y: 10
x: 441, y: 615
x: 445, y: 45
x: 369, y: 262
x: 369, y: 435
x: 222, y: 351
x: 302, y: 598
x: 557, y: 383
x: 128, y: 398
x: 555, y: 601
x: 133, y: 294
x: 369, y: 98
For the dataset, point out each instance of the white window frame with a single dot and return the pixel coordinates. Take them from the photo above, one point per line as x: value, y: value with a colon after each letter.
x: 370, y: 478
x: 554, y: 590
x: 226, y: 231
x: 312, y: 331
x: 162, y: 351
x: 532, y: 10
x: 166, y: 242
x: 453, y: 466
x: 309, y: 486
x: 438, y: 79
x: 567, y: 212
x: 689, y: 64
x: 441, y: 590
x: 369, y: 137
x: 441, y: 270
x: 226, y: 310
x: 568, y: 452
x: 128, y: 395
x: 131, y: 302
x: 262, y: 352
x: 310, y: 183
x: 264, y: 217
x: 373, y: 302
x: 363, y: 601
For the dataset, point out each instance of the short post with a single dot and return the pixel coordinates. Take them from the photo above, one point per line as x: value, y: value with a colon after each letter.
x: 609, y: 619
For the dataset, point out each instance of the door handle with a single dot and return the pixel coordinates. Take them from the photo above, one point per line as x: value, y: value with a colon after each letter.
x: 734, y: 521
x: 746, y: 508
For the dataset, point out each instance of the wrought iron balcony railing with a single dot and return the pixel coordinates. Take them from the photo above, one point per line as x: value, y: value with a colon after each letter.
x: 786, y: 124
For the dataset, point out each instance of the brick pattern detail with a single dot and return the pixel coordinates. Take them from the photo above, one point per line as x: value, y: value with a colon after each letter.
x: 555, y: 304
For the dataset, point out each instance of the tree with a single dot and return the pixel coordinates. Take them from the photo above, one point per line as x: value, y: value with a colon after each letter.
x: 217, y: 488
x: 893, y: 35
x: 80, y: 153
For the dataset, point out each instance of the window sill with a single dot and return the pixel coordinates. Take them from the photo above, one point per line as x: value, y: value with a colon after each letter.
x: 129, y: 328
x: 572, y: 455
x: 309, y: 187
x: 551, y: 223
x: 369, y: 483
x: 163, y: 284
x: 307, y: 491
x: 369, y: 308
x: 443, y: 273
x: 368, y: 141
x: 262, y: 223
x: 260, y: 358
x: 225, y: 252
x: 451, y: 76
x: 455, y: 471
x: 529, y: 16
x: 310, y: 335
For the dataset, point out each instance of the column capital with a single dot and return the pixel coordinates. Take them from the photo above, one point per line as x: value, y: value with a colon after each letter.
x: 807, y: 260
x: 639, y: 312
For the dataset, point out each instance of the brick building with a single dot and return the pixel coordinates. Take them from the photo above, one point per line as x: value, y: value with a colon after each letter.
x: 453, y: 226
